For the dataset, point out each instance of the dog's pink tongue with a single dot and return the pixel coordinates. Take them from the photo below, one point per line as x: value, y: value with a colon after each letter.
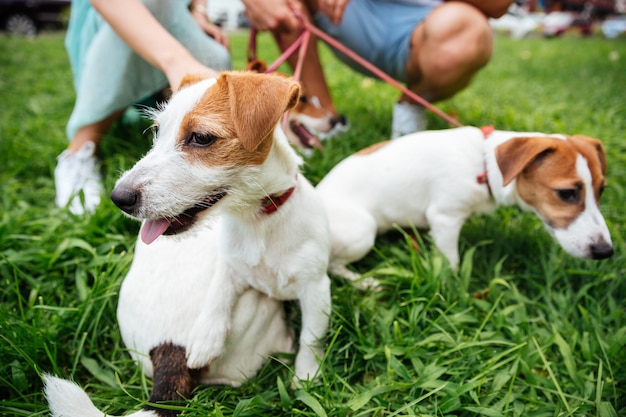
x: 152, y: 229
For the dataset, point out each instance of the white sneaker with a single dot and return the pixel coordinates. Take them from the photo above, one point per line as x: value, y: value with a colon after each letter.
x: 407, y: 118
x: 76, y: 175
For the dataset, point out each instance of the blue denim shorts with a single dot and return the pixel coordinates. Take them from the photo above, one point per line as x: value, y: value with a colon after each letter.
x: 377, y: 30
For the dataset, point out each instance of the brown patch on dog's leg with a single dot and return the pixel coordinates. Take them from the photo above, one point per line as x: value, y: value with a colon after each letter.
x: 172, y: 380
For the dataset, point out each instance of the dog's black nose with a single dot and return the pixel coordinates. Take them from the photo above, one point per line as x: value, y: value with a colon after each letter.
x: 338, y: 120
x: 601, y: 250
x: 126, y: 198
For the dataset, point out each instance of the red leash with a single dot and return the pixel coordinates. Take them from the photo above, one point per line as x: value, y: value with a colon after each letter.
x: 303, y: 40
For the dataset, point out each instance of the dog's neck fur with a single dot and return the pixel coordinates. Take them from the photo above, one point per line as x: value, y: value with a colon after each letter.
x: 504, y: 195
x: 276, y: 175
x: 283, y: 159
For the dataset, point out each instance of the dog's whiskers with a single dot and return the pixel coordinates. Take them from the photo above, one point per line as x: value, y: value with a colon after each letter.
x: 260, y: 187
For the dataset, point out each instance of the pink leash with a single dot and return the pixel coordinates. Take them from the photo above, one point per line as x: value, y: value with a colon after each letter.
x: 303, y: 40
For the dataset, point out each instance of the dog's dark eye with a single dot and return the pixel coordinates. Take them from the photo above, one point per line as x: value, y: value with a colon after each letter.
x: 303, y: 99
x: 201, y: 139
x: 569, y: 195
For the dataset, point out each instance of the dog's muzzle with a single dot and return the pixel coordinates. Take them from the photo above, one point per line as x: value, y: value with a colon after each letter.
x: 129, y: 201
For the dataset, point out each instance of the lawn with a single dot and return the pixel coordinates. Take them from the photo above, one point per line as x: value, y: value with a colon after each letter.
x: 522, y: 329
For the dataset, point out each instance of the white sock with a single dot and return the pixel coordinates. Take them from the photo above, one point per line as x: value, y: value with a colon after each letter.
x: 407, y: 118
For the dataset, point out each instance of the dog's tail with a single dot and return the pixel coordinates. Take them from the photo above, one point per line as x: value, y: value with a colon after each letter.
x: 67, y: 399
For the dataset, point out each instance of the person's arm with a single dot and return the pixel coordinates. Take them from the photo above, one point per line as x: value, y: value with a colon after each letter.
x: 491, y: 8
x: 134, y: 23
x: 199, y: 12
x: 333, y: 9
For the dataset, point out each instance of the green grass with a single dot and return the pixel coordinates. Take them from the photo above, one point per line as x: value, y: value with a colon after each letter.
x: 521, y: 330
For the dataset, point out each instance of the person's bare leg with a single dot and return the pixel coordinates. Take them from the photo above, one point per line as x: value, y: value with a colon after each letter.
x: 447, y: 49
x: 312, y: 75
x: 93, y: 132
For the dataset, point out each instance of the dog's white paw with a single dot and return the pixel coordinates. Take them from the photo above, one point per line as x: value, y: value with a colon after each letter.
x: 205, y: 343
x: 362, y: 283
x: 368, y: 283
x: 306, y: 365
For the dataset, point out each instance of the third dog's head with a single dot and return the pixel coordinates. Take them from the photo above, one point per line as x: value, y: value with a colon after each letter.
x: 212, y: 145
x: 561, y: 179
x: 309, y: 122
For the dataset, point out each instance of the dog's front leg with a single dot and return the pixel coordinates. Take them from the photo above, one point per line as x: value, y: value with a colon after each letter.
x: 208, y: 335
x: 445, y: 230
x: 315, y: 305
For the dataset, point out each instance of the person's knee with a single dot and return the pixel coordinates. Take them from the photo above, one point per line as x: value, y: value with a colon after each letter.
x: 456, y: 35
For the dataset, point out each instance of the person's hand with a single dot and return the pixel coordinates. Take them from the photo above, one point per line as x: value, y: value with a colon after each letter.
x: 209, y: 28
x: 190, y: 66
x: 333, y: 9
x: 273, y: 14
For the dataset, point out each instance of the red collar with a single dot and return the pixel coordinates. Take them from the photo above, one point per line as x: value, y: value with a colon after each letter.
x: 487, y: 130
x: 271, y: 203
x: 482, y: 178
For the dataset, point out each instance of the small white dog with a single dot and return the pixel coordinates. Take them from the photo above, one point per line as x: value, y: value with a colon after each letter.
x: 219, y: 148
x: 438, y: 179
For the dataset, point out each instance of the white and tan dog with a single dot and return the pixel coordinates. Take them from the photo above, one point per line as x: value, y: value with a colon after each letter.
x: 438, y: 179
x: 219, y: 149
x: 162, y: 294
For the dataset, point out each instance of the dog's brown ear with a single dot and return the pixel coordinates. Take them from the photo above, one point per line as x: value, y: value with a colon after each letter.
x: 516, y: 154
x: 256, y: 65
x: 190, y: 79
x: 257, y: 102
x: 582, y: 142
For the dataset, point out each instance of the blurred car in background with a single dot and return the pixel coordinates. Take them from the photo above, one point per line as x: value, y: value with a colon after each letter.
x: 27, y: 17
